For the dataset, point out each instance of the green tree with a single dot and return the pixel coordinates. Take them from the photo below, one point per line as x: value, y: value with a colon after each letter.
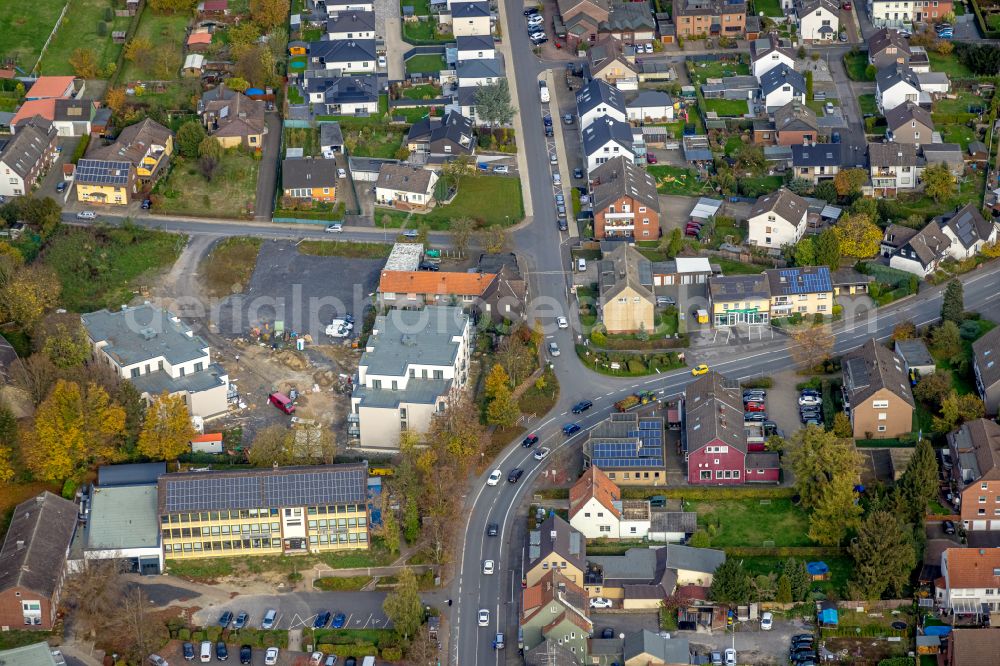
x: 493, y: 103
x: 817, y: 458
x: 953, y: 302
x: 700, y: 539
x: 672, y: 244
x: 809, y: 85
x: 957, y: 409
x: 403, y: 606
x: 804, y: 252
x: 167, y: 430
x: 919, y: 483
x: 794, y: 570
x: 871, y: 72
x: 939, y: 183
x: 858, y: 236
x: 189, y: 137
x: 730, y: 583
x: 271, y: 446
x: 849, y: 181
x: 502, y: 410
x: 390, y: 530
x: 946, y: 341
x: 827, y: 246
x: 209, y: 155
x: 932, y: 389
x: 835, y: 512
x: 8, y: 442
x: 784, y: 593
x: 67, y: 346
x: 842, y: 425
x: 883, y: 556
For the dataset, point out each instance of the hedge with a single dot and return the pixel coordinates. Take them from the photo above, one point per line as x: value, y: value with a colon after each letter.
x: 758, y: 382
x: 784, y: 551
x: 713, y: 493
x: 392, y: 654
x: 353, y: 650
x: 260, y: 638
x: 628, y: 344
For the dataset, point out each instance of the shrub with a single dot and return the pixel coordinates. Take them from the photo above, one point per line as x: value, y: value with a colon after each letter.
x: 392, y: 654
x: 752, y: 492
x: 69, y: 489
x: 758, y: 382
x: 102, y: 29
x: 184, y: 634
x: 213, y: 633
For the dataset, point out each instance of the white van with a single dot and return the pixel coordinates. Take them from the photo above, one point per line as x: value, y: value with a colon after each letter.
x: 368, y: 661
x: 269, y: 617
x: 581, y: 264
x: 206, y: 651
x: 543, y: 92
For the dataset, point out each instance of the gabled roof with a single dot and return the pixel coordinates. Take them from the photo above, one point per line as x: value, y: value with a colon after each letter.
x: 28, y: 146
x: 893, y: 75
x: 553, y: 586
x: 620, y: 177
x: 977, y: 443
x: 708, y: 7
x: 776, y: 77
x: 969, y: 226
x: 454, y: 127
x: 470, y: 10
x: 36, y: 654
x: 49, y: 87
x: 404, y: 178
x: 299, y: 173
x: 969, y: 645
x: 906, y: 113
x: 236, y: 115
x: 594, y: 484
x: 714, y: 412
x: 800, y: 280
x: 807, y: 7
x: 603, y: 130
x: 647, y: 644
x: 784, y: 203
x: 604, y: 52
x: 351, y: 21
x: 872, y: 368
x: 72, y: 110
x: 199, y: 37
x: 689, y: 558
x: 972, y: 568
x: 430, y: 282
x: 647, y: 98
x: 764, y: 46
x: 104, y: 172
x: 557, y: 536
x: 479, y: 68
x: 885, y: 38
x: 818, y: 154
x: 930, y: 243
x: 599, y: 92
x: 357, y: 89
x: 795, y: 117
x: 344, y: 50
x: 629, y: 16
x: 893, y: 154
x: 46, y: 108
x: 987, y: 352
x: 624, y: 267
x: 474, y: 42
x: 34, y: 550
x: 135, y: 142
x: 896, y: 235
x: 330, y: 134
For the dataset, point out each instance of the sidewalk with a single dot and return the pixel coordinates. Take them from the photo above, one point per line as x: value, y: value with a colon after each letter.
x: 503, y: 46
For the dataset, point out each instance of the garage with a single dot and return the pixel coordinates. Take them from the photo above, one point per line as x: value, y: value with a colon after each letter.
x: 979, y: 524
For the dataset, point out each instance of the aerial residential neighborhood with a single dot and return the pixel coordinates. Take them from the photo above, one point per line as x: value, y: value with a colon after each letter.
x: 562, y: 333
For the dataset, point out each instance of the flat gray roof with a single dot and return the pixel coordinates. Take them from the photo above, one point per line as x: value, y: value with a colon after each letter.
x: 419, y: 337
x: 417, y: 392
x: 157, y: 382
x: 123, y: 517
x: 36, y: 654
x: 141, y: 333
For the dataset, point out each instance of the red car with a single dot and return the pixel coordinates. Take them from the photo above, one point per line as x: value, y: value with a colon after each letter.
x: 755, y: 407
x: 847, y: 6
x: 650, y: 158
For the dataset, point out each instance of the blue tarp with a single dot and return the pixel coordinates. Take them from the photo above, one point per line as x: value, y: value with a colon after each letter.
x: 254, y: 91
x: 375, y: 501
x: 828, y: 617
x: 937, y: 631
x: 817, y: 568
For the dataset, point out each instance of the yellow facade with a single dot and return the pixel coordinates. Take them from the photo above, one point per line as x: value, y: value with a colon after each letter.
x: 315, y: 193
x: 150, y: 163
x: 804, y: 304
x: 102, y: 194
x: 628, y: 311
x: 266, y: 531
x: 253, y: 141
x: 751, y: 311
x: 554, y: 561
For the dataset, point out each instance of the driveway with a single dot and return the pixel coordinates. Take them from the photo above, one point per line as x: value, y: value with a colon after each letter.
x: 783, y: 402
x: 267, y: 177
x: 303, y: 291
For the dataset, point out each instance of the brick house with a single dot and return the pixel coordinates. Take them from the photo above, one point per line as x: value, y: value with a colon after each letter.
x: 795, y: 124
x: 33, y: 561
x: 986, y: 365
x: 625, y: 201
x: 710, y: 17
x: 975, y: 454
x: 714, y: 438
x: 877, y: 392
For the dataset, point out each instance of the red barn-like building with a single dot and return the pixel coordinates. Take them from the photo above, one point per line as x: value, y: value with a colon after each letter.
x: 715, y: 439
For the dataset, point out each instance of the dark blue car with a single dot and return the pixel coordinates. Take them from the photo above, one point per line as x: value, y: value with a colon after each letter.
x: 339, y: 620
x: 226, y: 618
x: 571, y: 428
x: 321, y: 620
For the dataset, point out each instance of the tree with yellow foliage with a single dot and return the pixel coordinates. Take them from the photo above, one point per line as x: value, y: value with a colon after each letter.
x: 167, y: 430
x: 28, y: 293
x: 859, y: 237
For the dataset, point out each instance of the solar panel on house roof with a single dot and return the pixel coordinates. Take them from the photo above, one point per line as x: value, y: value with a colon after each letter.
x: 112, y: 173
x: 801, y: 282
x: 224, y: 492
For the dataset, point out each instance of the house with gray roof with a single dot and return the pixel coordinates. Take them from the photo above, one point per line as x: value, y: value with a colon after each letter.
x: 916, y: 359
x: 605, y: 139
x: 949, y: 154
x: 777, y: 219
x: 909, y: 123
x: 887, y: 47
x: 959, y: 236
x: 350, y: 25
x: 123, y: 525
x: 405, y: 187
x: 33, y: 561
x: 286, y: 510
x: 892, y: 167
x: 598, y: 99
x: 331, y: 139
x: 895, y: 85
x: 157, y: 352
x: 309, y: 179
x: 479, y: 71
x: 768, y: 52
x: 412, y: 362
x: 36, y: 654
x: 877, y: 392
x: 819, y: 20
x: 625, y: 201
x: 781, y: 85
x: 817, y: 161
x: 475, y: 47
x: 26, y: 157
x: 555, y: 545
x: 348, y: 56
x: 986, y: 364
x: 647, y: 647
x: 626, y: 299
x: 649, y: 105
x: 554, y: 613
x: 631, y: 22
x: 342, y: 95
x: 446, y: 137
x: 795, y: 124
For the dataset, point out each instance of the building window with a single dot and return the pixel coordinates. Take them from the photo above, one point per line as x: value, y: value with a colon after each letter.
x: 881, y: 428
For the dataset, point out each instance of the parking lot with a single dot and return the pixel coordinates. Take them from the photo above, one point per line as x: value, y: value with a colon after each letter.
x: 297, y: 610
x: 305, y: 292
x: 173, y: 653
x: 753, y: 646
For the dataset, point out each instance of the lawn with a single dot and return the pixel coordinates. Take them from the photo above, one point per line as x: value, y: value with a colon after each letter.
x: 374, y: 142
x: 25, y: 27
x: 751, y: 522
x: 426, y: 91
x: 227, y: 269
x: 425, y: 32
x: 769, y: 7
x: 414, y: 113
x: 231, y: 193
x: 964, y: 100
x: 353, y: 122
x: 426, y: 63
x: 727, y: 107
x: 867, y: 104
x: 841, y: 569
x: 677, y: 180
x: 102, y: 267
x: 755, y: 187
x: 856, y: 64
x: 306, y: 138
x: 79, y: 28
x: 959, y: 134
x: 820, y: 106
x: 949, y: 64
x: 420, y: 7
x: 971, y: 189
x: 488, y: 200
x: 167, y: 33
x: 718, y: 69
x: 731, y: 267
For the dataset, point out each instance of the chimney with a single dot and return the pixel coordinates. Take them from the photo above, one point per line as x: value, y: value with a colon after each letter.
x: 553, y: 534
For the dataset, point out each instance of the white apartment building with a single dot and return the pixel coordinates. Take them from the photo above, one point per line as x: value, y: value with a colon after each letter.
x: 891, y: 13
x: 971, y: 580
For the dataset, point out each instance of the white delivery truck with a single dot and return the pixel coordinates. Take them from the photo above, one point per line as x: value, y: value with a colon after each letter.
x: 543, y: 92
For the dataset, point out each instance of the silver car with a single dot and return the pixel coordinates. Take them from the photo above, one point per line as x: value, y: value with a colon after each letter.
x: 553, y: 349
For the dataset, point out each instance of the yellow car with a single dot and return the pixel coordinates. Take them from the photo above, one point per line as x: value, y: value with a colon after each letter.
x: 699, y: 370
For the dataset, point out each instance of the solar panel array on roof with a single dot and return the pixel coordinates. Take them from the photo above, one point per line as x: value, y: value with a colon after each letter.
x: 111, y: 173
x: 803, y: 282
x: 223, y: 492
x: 644, y: 450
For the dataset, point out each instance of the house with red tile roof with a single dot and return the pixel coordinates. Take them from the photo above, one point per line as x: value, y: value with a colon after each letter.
x: 51, y: 87
x: 970, y: 580
x: 415, y: 289
x: 597, y: 511
x: 555, y: 609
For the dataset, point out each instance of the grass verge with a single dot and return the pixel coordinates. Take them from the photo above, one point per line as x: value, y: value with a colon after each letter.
x: 354, y: 249
x: 228, y: 268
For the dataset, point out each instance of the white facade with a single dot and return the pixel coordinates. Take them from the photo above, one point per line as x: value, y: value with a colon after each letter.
x: 474, y: 81
x: 769, y: 229
x: 909, y: 265
x: 478, y: 25
x: 971, y: 599
x: 782, y: 95
x: 608, y: 151
x: 349, y: 6
x: 894, y: 14
x: 477, y: 54
x: 387, y: 195
x: 596, y: 521
x: 602, y: 111
x: 769, y: 61
x: 658, y: 112
x: 359, y: 34
x: 898, y: 94
x: 895, y: 177
x: 819, y: 24
x: 11, y: 184
x: 352, y: 66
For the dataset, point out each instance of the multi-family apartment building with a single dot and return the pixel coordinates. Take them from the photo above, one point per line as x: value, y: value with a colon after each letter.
x: 970, y: 581
x: 877, y: 392
x: 975, y: 455
x: 279, y: 511
x: 412, y: 362
x: 986, y: 365
x: 806, y: 290
x: 722, y: 18
x: 777, y: 219
x: 626, y: 204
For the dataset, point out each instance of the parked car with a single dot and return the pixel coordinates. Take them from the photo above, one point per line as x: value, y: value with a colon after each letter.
x: 271, y: 656
x: 554, y: 349
x: 341, y: 173
x: 241, y: 620
x: 650, y: 158
x: 530, y: 440
x: 948, y: 526
x: 578, y: 174
x: 501, y: 168
x: 847, y: 6
x: 246, y: 654
x: 381, y: 61
x: 269, y: 619
x: 730, y: 657
x: 530, y: 11
x: 716, y: 658
x: 809, y: 400
x: 322, y: 619
x: 428, y: 266
x: 188, y: 649
x: 582, y: 406
x: 225, y: 619
x: 335, y: 228
x: 86, y: 215
x: 315, y: 659
x: 600, y: 602
x: 754, y: 417
x: 556, y: 180
x: 571, y: 429
x: 568, y: 119
x: 495, y: 477
x: 665, y: 300
x: 514, y: 475
x: 154, y: 659
x: 61, y: 186
x: 221, y: 651
x: 755, y: 407
x: 766, y: 621
x: 331, y: 660
x: 206, y: 652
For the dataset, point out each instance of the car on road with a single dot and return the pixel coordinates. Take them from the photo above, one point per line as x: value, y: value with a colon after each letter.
x: 716, y: 658
x: 650, y: 158
x: 530, y: 440
x: 730, y: 657
x: 188, y: 650
x: 514, y: 475
x: 766, y: 621
x: 665, y: 300
x: 221, y: 651
x: 335, y: 228
x: 484, y: 617
x: 554, y: 349
x: 843, y: 37
x: 582, y: 406
x: 492, y: 529
x: 339, y: 620
x: 541, y: 453
x: 600, y: 602
x: 948, y: 527
x: 562, y: 322
x: 341, y: 173
x: 410, y: 233
x: 381, y: 61
x: 331, y: 660
x: 578, y: 174
x: 271, y: 656
x: 494, y: 478
x: 206, y: 651
x: 571, y: 429
x: 568, y: 118
x: 699, y: 370
x: 315, y: 659
x: 322, y: 620
x: 225, y: 619
x: 86, y: 215
x: 246, y: 654
x: 488, y: 567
